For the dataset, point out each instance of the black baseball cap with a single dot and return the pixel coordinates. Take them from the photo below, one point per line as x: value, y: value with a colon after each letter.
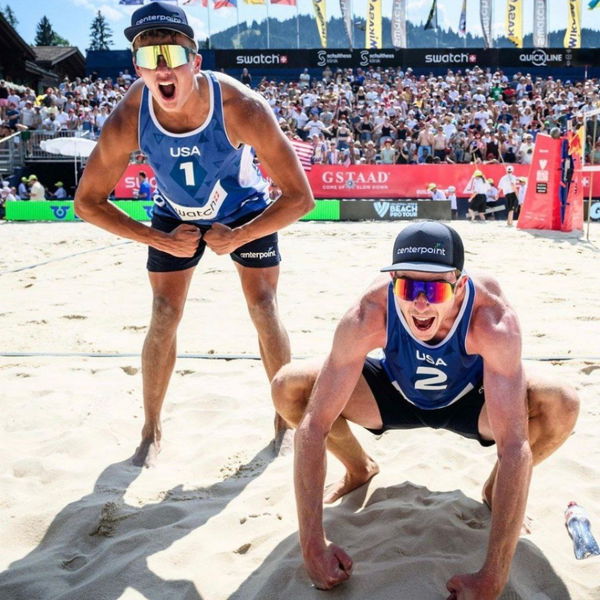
x: 158, y: 15
x: 427, y: 246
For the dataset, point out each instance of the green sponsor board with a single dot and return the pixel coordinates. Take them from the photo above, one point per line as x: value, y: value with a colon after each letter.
x: 62, y: 210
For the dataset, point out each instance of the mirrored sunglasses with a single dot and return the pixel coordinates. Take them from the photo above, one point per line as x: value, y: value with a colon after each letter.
x: 435, y: 291
x: 174, y: 55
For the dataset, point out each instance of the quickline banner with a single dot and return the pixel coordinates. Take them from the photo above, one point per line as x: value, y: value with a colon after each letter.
x: 373, y: 39
x: 573, y: 33
x: 540, y: 24
x: 399, y: 24
x: 514, y: 22
x: 320, y: 7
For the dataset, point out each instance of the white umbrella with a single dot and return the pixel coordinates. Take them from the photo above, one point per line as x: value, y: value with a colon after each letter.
x: 76, y: 147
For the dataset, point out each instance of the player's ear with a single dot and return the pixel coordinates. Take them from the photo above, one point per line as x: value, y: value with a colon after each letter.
x: 197, y: 63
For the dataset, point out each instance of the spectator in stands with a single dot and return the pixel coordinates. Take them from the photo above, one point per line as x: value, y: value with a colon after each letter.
x: 305, y: 79
x: 23, y: 190
x: 370, y: 153
x: 50, y: 123
x: 36, y: 189
x: 525, y: 152
x: 388, y: 153
x: 245, y: 77
x: 59, y: 193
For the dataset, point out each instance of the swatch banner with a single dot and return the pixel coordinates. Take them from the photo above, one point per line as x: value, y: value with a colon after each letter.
x: 373, y: 39
x: 485, y: 14
x: 346, y: 11
x: 399, y: 24
x: 320, y: 7
x: 514, y: 22
x: 540, y: 24
x: 573, y: 33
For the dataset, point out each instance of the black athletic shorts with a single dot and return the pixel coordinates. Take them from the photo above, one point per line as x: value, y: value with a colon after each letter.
x: 398, y: 413
x: 259, y: 253
x: 478, y: 204
x: 511, y: 201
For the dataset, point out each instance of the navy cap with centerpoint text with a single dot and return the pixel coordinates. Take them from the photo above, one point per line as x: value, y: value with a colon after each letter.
x: 158, y: 15
x: 429, y: 246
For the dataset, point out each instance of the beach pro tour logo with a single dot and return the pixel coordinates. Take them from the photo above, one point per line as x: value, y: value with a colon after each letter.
x: 272, y: 58
x: 451, y: 58
x: 381, y: 208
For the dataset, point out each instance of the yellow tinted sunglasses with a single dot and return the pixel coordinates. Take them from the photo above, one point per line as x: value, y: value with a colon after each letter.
x: 174, y: 55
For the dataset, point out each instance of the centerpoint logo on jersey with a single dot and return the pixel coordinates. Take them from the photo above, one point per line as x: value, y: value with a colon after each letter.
x: 184, y: 151
x: 260, y: 255
x: 451, y: 57
x: 261, y: 59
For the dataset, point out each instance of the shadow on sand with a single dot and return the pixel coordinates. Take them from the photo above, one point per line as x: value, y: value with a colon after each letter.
x: 406, y: 542
x: 98, y: 546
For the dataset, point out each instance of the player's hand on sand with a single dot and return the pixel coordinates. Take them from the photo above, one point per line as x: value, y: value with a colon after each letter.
x: 329, y: 567
x: 474, y: 586
x: 182, y: 241
x: 221, y: 239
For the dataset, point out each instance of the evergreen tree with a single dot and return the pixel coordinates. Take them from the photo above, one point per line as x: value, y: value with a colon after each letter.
x: 9, y: 15
x: 44, y: 34
x: 100, y: 33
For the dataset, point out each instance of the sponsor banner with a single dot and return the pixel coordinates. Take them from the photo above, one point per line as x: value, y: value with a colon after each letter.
x: 346, y: 9
x: 572, y: 37
x: 514, y: 22
x: 62, y: 210
x: 130, y: 181
x: 399, y: 181
x: 413, y: 57
x: 373, y: 39
x: 485, y: 16
x: 399, y: 23
x: 363, y: 209
x: 320, y: 8
x: 540, y: 24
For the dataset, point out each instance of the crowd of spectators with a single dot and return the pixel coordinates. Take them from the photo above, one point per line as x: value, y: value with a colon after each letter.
x: 392, y: 116
x: 355, y: 116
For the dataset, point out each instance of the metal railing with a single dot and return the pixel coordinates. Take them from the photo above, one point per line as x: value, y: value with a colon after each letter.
x: 12, y: 153
x: 34, y: 152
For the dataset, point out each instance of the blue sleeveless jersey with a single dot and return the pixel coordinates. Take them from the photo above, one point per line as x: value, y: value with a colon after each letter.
x: 200, y: 176
x: 431, y: 376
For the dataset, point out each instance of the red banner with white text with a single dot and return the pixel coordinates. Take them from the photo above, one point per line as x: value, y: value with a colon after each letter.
x: 130, y: 181
x: 399, y: 181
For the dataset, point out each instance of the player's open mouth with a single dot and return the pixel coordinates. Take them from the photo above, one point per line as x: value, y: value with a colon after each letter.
x: 423, y: 324
x: 167, y: 90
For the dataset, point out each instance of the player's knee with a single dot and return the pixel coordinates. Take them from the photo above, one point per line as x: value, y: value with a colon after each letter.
x: 569, y: 405
x: 289, y: 395
x: 165, y: 313
x: 262, y: 305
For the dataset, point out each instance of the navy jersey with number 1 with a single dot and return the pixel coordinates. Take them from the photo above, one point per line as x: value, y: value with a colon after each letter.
x: 200, y: 176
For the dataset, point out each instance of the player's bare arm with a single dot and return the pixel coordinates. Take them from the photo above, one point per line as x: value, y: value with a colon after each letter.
x: 250, y: 120
x: 496, y: 336
x: 104, y: 168
x: 360, y: 330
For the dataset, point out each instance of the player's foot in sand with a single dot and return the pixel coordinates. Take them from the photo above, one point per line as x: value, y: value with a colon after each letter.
x: 350, y: 482
x: 146, y: 454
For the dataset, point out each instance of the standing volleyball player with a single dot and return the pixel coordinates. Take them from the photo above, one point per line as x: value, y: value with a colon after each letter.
x: 199, y: 130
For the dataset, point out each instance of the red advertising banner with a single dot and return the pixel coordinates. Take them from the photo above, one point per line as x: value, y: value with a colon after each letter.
x: 399, y: 181
x: 130, y: 180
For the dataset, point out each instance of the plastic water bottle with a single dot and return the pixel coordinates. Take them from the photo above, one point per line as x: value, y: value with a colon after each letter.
x: 578, y: 525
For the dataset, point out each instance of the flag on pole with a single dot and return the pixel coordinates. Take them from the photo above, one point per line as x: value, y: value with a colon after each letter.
x: 131, y: 1
x: 346, y: 10
x: 399, y: 24
x: 225, y: 4
x: 514, y: 22
x: 284, y: 2
x: 432, y: 19
x: 462, y: 21
x: 572, y: 37
x: 203, y: 3
x: 540, y: 24
x: 373, y: 32
x: 304, y: 151
x: 254, y: 1
x: 320, y: 8
x: 485, y: 16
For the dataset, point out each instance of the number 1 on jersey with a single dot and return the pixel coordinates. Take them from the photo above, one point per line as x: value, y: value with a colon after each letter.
x: 188, y: 171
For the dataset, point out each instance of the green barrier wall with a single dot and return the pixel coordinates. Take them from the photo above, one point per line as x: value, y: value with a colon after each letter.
x: 62, y: 210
